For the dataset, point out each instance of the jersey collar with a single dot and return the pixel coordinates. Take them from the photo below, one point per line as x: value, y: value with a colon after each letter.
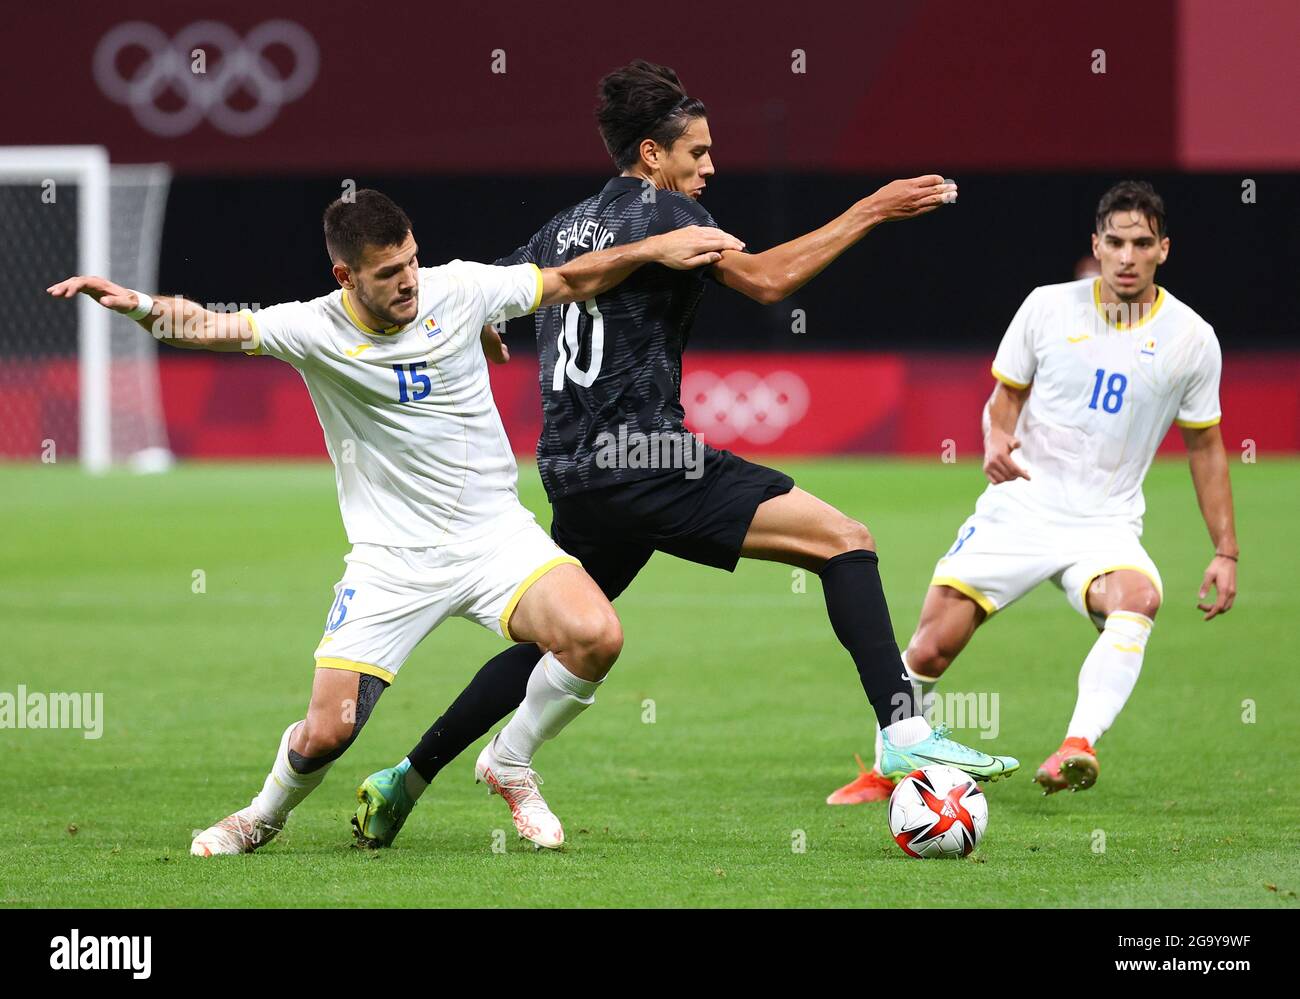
x: 621, y: 183
x: 352, y: 316
x: 1150, y: 313
x: 617, y: 188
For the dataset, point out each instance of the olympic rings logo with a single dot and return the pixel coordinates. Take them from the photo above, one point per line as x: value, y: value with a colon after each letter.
x: 745, y: 405
x: 242, y: 64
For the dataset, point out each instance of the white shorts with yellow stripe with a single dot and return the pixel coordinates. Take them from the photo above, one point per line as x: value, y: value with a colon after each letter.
x: 1001, y: 553
x: 390, y: 598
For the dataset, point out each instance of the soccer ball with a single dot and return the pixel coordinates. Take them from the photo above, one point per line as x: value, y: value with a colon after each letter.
x: 938, y: 812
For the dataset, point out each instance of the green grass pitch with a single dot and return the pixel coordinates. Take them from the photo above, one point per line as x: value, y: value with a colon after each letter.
x: 757, y: 714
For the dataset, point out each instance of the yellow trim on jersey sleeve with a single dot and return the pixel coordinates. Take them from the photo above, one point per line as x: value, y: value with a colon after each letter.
x: 966, y: 589
x: 1151, y: 314
x: 347, y: 307
x: 1083, y: 594
x: 523, y: 588
x: 326, y: 662
x: 537, y: 299
x: 1008, y: 381
x: 1197, y: 424
x: 257, y: 333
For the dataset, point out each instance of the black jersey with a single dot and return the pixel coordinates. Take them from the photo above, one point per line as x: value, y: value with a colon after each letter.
x: 611, y: 368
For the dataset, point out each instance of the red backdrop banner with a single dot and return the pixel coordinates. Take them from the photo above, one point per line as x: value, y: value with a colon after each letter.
x: 278, y: 86
x: 753, y: 403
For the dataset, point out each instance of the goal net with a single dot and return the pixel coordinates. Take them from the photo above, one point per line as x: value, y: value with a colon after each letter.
x: 77, y: 381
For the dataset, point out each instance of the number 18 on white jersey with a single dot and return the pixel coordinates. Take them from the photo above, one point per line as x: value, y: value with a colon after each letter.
x: 1104, y: 393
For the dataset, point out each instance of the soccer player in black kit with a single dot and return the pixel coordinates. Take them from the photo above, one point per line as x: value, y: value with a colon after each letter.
x: 610, y: 379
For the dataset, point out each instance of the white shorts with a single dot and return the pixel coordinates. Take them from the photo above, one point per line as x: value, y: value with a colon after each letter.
x: 1002, y: 552
x: 390, y: 598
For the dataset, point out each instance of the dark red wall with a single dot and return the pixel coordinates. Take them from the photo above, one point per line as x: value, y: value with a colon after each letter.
x: 945, y: 84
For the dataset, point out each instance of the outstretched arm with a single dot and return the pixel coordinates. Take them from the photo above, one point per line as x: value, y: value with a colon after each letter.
x: 779, y: 272
x: 175, y: 320
x: 1209, y: 464
x: 592, y: 273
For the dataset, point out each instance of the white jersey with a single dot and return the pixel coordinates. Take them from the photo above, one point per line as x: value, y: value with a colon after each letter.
x: 1103, y: 397
x: 419, y: 452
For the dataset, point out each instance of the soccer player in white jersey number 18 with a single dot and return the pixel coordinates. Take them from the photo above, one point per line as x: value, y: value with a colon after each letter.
x: 1090, y: 375
x: 426, y: 488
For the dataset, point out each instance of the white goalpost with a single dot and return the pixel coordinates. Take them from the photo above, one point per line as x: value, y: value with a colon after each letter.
x: 64, y: 210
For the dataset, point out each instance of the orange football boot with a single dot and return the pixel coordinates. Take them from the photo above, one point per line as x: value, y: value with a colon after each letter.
x: 869, y: 785
x: 1073, y: 766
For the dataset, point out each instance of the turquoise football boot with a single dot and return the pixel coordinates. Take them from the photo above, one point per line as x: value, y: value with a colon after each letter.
x: 383, y: 807
x: 939, y: 749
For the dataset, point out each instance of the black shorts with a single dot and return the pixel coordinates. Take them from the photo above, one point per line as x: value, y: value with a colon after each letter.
x: 613, y: 531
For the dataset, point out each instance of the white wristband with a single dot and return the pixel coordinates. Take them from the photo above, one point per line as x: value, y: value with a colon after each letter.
x: 143, y: 309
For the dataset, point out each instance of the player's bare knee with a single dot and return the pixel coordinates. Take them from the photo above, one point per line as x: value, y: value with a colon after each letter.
x: 852, y: 536
x: 1145, y: 601
x: 595, y: 637
x: 609, y: 643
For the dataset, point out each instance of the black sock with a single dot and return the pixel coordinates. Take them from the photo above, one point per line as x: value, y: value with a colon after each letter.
x: 496, y: 690
x: 855, y: 601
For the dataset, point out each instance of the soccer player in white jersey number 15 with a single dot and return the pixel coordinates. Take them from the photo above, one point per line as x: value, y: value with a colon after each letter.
x: 426, y: 487
x: 1090, y: 375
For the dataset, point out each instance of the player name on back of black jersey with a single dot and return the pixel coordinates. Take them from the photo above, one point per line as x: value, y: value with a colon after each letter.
x: 583, y: 234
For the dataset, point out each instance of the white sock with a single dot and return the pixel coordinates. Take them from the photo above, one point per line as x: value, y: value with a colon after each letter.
x: 555, y: 697
x: 908, y: 732
x: 923, y: 690
x: 415, y: 784
x: 1109, y: 674
x: 285, y: 787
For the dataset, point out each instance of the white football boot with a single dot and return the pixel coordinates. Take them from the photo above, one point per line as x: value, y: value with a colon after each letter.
x: 242, y: 832
x: 518, y: 786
